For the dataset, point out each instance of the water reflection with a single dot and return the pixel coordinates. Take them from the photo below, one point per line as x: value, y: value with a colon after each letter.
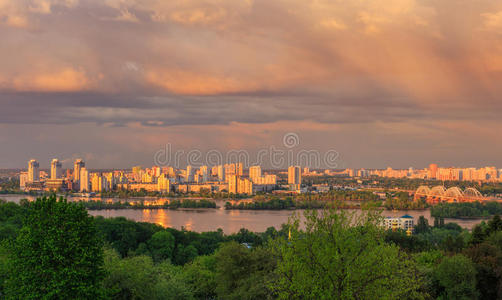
x: 230, y: 221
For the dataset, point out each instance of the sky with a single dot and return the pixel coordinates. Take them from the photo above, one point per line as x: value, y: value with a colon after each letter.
x: 381, y: 82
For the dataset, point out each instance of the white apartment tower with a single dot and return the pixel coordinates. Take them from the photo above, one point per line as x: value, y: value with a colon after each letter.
x: 55, y: 169
x: 33, y: 171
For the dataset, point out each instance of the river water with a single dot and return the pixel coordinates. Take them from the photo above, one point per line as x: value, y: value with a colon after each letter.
x: 210, y: 219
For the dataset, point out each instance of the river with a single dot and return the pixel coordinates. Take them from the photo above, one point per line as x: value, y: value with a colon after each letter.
x: 230, y: 221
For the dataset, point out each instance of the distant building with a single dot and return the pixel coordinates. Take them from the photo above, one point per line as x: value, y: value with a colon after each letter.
x: 33, y: 171
x: 204, y: 173
x: 254, y: 173
x: 84, y: 180
x: 55, y: 184
x: 294, y: 178
x: 433, y: 170
x: 221, y: 173
x: 77, y: 166
x: 238, y: 185
x: 404, y: 222
x: 163, y: 184
x: 56, y: 169
x: 23, y: 178
x: 189, y: 174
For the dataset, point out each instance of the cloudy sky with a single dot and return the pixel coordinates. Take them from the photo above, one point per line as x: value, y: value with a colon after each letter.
x: 383, y: 82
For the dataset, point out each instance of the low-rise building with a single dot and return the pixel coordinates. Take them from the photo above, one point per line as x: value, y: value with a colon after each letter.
x: 404, y: 222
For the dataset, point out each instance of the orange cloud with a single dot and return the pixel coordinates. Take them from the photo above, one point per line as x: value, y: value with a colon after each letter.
x: 193, y: 83
x: 66, y: 80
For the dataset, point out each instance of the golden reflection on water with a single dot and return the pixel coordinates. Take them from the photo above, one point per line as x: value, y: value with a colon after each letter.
x: 188, y: 224
x: 162, y: 218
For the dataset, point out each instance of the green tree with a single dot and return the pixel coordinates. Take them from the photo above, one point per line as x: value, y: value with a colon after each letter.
x: 422, y: 225
x: 201, y: 276
x: 456, y: 276
x: 57, y: 254
x: 342, y: 255
x: 139, y: 278
x: 161, y: 245
x: 488, y: 261
x: 243, y: 273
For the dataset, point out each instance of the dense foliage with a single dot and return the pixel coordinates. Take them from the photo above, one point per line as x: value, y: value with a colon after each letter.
x: 173, y: 204
x: 466, y: 209
x: 57, y: 253
x: 53, y: 249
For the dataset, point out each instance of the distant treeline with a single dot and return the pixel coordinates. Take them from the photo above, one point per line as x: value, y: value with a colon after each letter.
x: 174, y: 204
x: 288, y: 203
x: 466, y: 210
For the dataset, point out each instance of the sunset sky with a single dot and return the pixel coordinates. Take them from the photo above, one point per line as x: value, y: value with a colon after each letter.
x: 383, y: 82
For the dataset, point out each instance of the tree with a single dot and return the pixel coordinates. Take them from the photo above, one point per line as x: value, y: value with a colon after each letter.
x: 243, y: 273
x: 494, y: 225
x: 488, y: 262
x: 201, y: 276
x: 456, y: 276
x: 422, y: 225
x: 342, y: 255
x: 57, y: 254
x: 139, y: 278
x: 161, y: 245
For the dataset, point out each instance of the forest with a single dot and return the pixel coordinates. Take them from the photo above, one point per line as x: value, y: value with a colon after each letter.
x: 53, y: 249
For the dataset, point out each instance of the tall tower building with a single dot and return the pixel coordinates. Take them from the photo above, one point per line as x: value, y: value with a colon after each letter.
x: 205, y: 173
x: 239, y: 169
x: 84, y: 180
x: 189, y: 174
x: 33, y: 171
x: 294, y: 177
x: 221, y: 173
x: 55, y: 169
x: 233, y: 181
x: 433, y: 171
x: 77, y: 166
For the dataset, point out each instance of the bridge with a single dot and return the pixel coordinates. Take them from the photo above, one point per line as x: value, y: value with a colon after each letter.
x: 454, y: 194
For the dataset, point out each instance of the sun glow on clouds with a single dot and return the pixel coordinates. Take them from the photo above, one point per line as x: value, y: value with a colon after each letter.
x: 227, y: 70
x: 66, y: 80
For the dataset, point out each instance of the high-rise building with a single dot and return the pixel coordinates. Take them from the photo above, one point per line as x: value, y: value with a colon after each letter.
x: 238, y: 185
x: 55, y: 169
x: 33, y: 171
x: 189, y: 174
x: 232, y: 184
x: 245, y: 186
x: 239, y: 169
x: 23, y: 178
x: 156, y: 171
x: 433, y: 170
x: 294, y: 177
x: 77, y: 166
x: 254, y: 173
x: 205, y: 173
x: 99, y: 183
x: 163, y: 184
x: 221, y: 173
x: 84, y: 180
